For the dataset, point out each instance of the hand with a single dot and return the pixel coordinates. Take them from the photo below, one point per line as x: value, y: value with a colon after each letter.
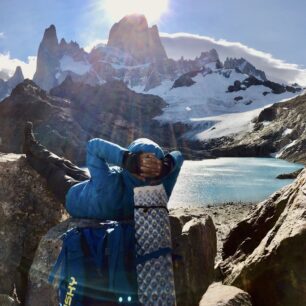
x: 150, y: 165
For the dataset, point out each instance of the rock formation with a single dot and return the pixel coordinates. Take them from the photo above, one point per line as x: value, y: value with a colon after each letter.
x: 291, y: 175
x: 279, y: 130
x: 7, y: 86
x: 265, y: 254
x: 245, y: 67
x: 64, y: 123
x: 47, y: 60
x: 222, y: 295
x: 27, y: 211
x: 16, y: 78
x: 194, y: 239
x: 133, y: 36
x: 6, y: 300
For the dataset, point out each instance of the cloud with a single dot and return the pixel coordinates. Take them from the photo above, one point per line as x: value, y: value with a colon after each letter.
x: 2, y: 35
x: 8, y: 65
x: 191, y: 45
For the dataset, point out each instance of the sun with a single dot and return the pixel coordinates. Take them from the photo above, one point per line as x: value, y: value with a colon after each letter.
x: 152, y: 9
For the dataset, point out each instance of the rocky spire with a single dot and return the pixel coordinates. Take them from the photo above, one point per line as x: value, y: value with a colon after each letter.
x: 47, y: 60
x: 16, y: 78
x: 244, y: 67
x: 133, y: 36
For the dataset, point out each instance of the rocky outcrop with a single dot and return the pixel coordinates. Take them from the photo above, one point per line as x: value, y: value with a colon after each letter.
x: 291, y: 175
x: 6, y: 300
x: 6, y: 87
x: 16, y: 78
x: 279, y: 130
x: 185, y: 80
x: 65, y: 122
x: 55, y: 61
x: 27, y: 211
x: 222, y: 295
x: 194, y: 242
x: 274, y: 88
x: 133, y: 36
x: 47, y: 60
x: 265, y: 254
x: 245, y: 67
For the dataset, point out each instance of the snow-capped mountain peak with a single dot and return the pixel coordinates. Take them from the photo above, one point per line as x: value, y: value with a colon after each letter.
x: 245, y: 67
x: 133, y: 36
x: 203, y: 93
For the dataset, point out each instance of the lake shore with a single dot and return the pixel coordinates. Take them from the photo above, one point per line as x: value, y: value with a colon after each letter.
x: 225, y: 216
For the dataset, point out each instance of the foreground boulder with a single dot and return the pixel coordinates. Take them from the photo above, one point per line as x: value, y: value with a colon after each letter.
x: 194, y: 242
x: 222, y: 295
x: 6, y: 300
x: 27, y: 211
x: 265, y: 254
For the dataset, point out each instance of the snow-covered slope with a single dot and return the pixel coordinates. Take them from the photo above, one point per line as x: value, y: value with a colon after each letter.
x: 208, y: 105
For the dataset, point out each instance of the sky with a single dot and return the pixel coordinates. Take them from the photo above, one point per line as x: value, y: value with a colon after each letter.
x: 276, y: 28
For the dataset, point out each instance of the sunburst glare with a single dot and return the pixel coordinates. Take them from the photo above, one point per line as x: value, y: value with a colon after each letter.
x: 116, y: 9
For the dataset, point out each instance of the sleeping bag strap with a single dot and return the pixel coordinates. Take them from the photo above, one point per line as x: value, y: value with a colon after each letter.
x: 145, y: 207
x: 155, y: 254
x: 61, y: 259
x: 59, y: 262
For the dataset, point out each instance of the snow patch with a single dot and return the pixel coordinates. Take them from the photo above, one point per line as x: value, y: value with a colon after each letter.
x: 281, y: 151
x: 210, y: 108
x: 228, y: 124
x: 287, y: 132
x: 67, y: 63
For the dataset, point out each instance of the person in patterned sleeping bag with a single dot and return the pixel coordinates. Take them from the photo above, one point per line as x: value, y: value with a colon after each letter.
x: 107, y: 193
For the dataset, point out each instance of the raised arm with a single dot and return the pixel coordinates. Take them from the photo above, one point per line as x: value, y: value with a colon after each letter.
x: 170, y: 180
x: 100, y: 153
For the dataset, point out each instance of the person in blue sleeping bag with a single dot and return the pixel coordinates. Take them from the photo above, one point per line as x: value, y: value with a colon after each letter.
x: 107, y: 193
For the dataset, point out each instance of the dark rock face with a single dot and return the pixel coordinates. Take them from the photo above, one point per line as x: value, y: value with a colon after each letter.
x: 253, y: 81
x: 133, y: 36
x: 65, y: 122
x: 267, y: 114
x: 284, y: 134
x: 6, y: 300
x: 27, y: 211
x: 222, y: 295
x: 265, y: 254
x: 52, y: 118
x: 194, y: 239
x: 291, y: 175
x: 185, y: 80
x: 245, y: 67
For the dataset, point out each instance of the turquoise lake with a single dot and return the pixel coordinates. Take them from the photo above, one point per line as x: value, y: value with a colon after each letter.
x: 220, y: 180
